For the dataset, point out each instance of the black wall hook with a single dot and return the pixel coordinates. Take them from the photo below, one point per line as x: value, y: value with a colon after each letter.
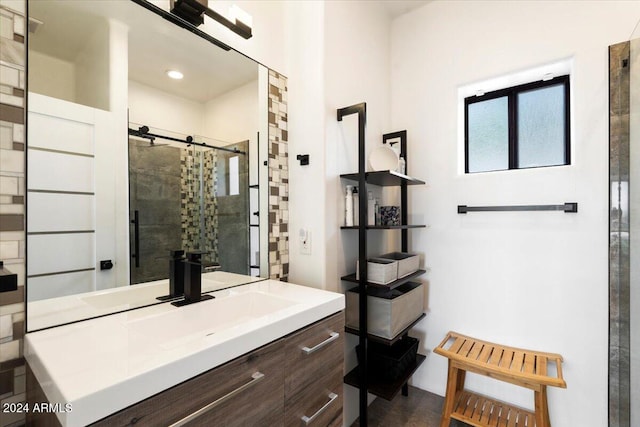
x: 304, y: 159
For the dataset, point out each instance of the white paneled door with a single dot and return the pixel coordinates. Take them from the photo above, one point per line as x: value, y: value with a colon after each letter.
x: 66, y: 235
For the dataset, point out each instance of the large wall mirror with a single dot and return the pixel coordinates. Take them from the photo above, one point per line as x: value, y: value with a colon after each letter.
x: 126, y: 164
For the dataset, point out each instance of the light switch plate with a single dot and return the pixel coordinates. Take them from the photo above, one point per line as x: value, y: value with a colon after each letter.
x: 305, y: 242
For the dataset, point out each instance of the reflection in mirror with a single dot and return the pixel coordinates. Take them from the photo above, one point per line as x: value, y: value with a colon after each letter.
x: 189, y: 193
x: 106, y: 205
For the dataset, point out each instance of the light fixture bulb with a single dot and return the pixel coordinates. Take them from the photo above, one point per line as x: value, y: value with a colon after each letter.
x: 175, y: 74
x: 237, y: 14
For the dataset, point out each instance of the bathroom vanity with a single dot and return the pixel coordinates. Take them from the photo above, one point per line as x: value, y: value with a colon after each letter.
x: 265, y: 353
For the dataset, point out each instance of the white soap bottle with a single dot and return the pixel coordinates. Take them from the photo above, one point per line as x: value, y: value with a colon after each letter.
x: 402, y: 166
x: 348, y: 207
x: 371, y: 209
x: 356, y: 207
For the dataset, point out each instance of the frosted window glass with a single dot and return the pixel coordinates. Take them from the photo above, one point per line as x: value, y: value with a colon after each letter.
x: 541, y: 127
x: 234, y: 176
x: 488, y: 135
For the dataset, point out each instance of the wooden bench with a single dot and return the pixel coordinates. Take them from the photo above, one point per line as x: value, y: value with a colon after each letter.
x: 525, y: 368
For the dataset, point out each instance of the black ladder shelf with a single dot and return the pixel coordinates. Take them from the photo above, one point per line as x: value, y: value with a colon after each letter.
x: 359, y: 377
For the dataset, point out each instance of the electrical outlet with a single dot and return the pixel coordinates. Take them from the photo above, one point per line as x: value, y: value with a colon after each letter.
x: 305, y: 242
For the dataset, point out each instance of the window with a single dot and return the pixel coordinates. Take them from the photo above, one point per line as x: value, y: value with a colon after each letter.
x: 228, y: 176
x: 524, y: 126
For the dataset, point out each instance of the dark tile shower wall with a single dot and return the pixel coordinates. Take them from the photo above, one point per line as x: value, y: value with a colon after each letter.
x: 154, y: 190
x: 619, y: 277
x: 278, y: 178
x: 233, y: 220
x: 12, y: 207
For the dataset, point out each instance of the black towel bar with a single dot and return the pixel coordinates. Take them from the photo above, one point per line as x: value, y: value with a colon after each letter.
x: 567, y: 207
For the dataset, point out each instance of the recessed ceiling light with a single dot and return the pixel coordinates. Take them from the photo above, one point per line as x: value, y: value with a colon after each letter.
x: 175, y: 74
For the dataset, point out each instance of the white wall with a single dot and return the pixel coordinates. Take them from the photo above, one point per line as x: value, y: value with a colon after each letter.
x: 92, y: 69
x: 306, y: 127
x: 233, y: 116
x: 534, y: 280
x: 52, y: 76
x: 161, y: 110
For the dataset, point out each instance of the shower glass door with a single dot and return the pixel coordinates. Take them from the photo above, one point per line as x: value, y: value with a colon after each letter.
x: 154, y: 206
x: 624, y: 253
x: 188, y: 197
x: 634, y: 231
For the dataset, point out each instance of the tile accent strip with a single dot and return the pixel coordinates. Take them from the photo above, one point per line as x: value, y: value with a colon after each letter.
x: 12, y: 220
x: 190, y: 193
x: 278, y: 148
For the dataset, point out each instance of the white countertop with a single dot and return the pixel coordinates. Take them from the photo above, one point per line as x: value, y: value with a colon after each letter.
x: 72, y: 308
x: 103, y: 365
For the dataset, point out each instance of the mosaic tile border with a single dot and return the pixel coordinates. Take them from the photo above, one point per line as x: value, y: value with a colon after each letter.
x: 278, y: 178
x: 190, y: 194
x: 193, y: 163
x: 12, y: 208
x: 210, y: 175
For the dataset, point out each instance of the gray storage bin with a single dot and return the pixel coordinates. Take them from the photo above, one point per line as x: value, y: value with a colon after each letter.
x: 407, y: 263
x: 380, y: 271
x: 389, y: 312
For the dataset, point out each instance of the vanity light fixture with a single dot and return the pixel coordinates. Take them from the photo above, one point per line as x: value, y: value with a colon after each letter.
x: 175, y: 74
x: 193, y: 11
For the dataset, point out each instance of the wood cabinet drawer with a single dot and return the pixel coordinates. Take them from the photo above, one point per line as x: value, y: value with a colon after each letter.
x: 254, y: 401
x: 313, y: 372
x: 320, y: 404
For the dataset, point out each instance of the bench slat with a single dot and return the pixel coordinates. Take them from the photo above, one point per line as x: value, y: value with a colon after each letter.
x: 507, y: 357
x: 457, y: 344
x: 475, y: 350
x: 518, y: 360
x: 529, y: 363
x: 496, y: 355
x: 464, y: 350
x: 541, y: 365
x: 485, y: 354
x: 471, y: 406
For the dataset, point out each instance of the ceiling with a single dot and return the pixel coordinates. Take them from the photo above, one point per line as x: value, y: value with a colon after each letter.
x: 396, y: 8
x: 154, y: 47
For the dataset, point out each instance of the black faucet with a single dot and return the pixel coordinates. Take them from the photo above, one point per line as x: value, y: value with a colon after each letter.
x: 192, y: 280
x: 176, y: 275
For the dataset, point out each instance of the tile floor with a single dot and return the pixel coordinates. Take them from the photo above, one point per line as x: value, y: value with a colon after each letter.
x: 419, y: 409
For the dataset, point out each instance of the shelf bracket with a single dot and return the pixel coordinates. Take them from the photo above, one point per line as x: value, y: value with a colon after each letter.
x: 361, y: 111
x: 404, y: 199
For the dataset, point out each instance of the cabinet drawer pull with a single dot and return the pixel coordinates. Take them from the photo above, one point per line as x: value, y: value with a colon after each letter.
x: 308, y: 420
x: 332, y: 337
x: 255, y: 378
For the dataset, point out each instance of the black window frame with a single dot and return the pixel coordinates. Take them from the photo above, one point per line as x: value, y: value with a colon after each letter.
x: 512, y: 107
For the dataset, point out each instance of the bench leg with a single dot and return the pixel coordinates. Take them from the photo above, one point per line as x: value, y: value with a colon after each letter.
x: 455, y: 383
x: 542, y: 408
